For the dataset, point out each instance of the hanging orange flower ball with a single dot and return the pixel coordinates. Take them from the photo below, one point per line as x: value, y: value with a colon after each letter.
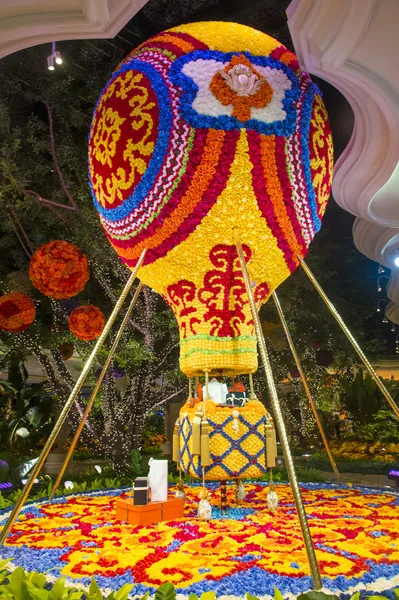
x: 59, y: 269
x: 86, y: 322
x: 17, y: 312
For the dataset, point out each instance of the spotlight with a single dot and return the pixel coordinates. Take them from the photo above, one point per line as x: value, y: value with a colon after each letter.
x: 396, y: 261
x: 54, y: 56
x: 50, y: 63
x: 379, y: 287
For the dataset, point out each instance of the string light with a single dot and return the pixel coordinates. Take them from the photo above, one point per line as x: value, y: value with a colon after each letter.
x: 380, y: 269
x: 379, y: 288
x: 397, y: 344
x: 379, y: 302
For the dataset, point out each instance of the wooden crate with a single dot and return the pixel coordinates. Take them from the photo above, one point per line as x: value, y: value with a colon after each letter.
x: 153, y: 512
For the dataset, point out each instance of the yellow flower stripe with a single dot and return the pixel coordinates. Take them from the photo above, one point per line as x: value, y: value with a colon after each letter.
x: 230, y: 37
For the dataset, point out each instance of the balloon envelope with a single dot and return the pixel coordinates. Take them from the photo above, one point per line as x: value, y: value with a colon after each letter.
x: 207, y: 134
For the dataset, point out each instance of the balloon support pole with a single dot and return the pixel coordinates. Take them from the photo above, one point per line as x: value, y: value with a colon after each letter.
x: 223, y: 495
x: 275, y: 404
x: 305, y: 385
x: 96, y: 390
x: 67, y: 407
x: 350, y: 337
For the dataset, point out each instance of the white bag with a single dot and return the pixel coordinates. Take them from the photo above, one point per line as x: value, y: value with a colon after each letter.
x: 217, y: 391
x: 158, y: 480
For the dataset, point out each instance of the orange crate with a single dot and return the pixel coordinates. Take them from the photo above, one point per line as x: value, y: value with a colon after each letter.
x: 153, y: 512
x: 121, y: 511
x: 173, y: 509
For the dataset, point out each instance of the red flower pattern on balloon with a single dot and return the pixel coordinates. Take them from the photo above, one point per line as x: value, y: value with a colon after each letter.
x: 17, y: 312
x: 224, y: 292
x: 86, y: 322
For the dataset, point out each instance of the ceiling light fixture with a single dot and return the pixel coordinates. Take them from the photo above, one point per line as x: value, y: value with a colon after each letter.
x: 50, y: 63
x: 379, y: 288
x: 379, y: 303
x: 55, y: 57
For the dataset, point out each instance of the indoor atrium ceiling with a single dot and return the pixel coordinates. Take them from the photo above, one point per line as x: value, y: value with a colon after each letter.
x: 335, y: 41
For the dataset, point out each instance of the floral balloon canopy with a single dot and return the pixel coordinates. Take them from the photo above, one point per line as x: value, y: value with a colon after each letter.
x: 209, y: 134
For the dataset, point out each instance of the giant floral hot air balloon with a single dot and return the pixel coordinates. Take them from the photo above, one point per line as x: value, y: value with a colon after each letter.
x: 208, y: 134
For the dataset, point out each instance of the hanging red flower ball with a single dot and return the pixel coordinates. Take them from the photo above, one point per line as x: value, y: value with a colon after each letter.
x: 86, y: 322
x: 59, y: 269
x: 66, y: 349
x: 17, y: 312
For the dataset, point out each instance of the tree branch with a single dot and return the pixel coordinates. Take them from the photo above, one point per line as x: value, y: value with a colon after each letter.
x: 108, y: 290
x: 19, y: 237
x: 168, y: 352
x: 48, y: 203
x: 149, y: 339
x: 69, y: 380
x: 18, y: 222
x: 55, y: 159
x: 180, y: 391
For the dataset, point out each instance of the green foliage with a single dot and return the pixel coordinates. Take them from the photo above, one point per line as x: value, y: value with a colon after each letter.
x: 304, y: 474
x: 352, y: 466
x: 362, y: 397
x: 383, y: 427
x: 165, y: 592
x: 25, y: 409
x: 47, y: 485
x: 24, y: 585
x: 136, y: 463
x: 278, y: 595
x: 316, y: 596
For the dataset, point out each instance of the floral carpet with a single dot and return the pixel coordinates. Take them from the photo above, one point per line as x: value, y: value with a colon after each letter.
x: 246, y: 549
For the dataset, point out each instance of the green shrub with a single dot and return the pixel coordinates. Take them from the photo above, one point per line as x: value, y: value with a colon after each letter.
x: 304, y: 475
x: 23, y: 585
x: 354, y: 466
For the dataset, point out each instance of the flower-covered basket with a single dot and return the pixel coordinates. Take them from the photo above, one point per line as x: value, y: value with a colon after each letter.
x: 225, y: 443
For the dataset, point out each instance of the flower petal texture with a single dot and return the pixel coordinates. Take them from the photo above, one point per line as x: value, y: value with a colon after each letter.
x: 17, y: 312
x: 206, y: 134
x: 59, y: 270
x: 246, y: 549
x: 86, y: 322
